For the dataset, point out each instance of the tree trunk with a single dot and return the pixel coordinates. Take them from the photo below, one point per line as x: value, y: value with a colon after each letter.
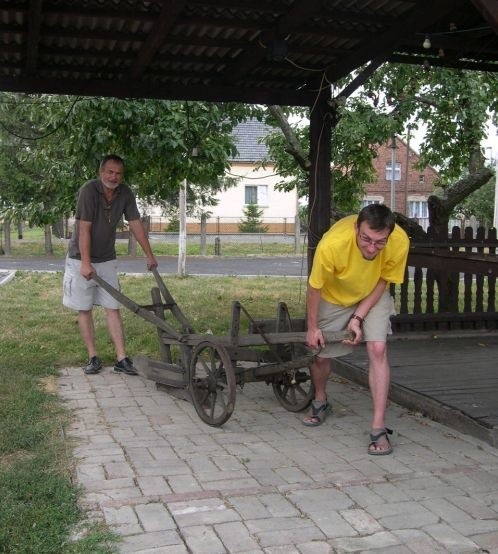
x: 440, y: 208
x: 203, y: 234
x: 412, y: 229
x: 58, y: 228
x: 7, y: 241
x: 49, y: 249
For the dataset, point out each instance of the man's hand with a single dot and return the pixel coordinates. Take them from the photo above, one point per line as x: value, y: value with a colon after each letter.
x: 87, y: 270
x: 151, y: 263
x: 355, y: 327
x: 314, y: 338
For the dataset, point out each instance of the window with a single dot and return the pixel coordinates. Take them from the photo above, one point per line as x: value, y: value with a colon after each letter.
x: 417, y: 209
x: 397, y: 171
x: 368, y: 201
x: 256, y: 194
x: 421, y: 179
x: 251, y: 195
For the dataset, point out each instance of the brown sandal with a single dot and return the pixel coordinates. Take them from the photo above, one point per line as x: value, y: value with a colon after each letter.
x: 318, y: 414
x: 374, y: 440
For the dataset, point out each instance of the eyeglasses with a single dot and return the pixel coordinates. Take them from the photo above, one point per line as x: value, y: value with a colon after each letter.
x: 367, y: 240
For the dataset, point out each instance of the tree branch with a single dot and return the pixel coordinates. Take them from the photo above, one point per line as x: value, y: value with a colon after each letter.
x: 461, y: 189
x: 293, y: 147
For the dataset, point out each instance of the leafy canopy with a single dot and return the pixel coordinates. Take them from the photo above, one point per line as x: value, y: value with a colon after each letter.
x: 452, y: 106
x: 57, y: 142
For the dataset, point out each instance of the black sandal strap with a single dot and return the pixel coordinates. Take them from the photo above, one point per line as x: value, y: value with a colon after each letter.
x: 315, y: 412
x: 383, y: 433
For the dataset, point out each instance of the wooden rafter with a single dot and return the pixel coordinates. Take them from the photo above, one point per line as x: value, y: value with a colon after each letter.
x: 160, y: 30
x: 386, y: 42
x: 489, y: 10
x: 258, y: 48
x: 33, y: 39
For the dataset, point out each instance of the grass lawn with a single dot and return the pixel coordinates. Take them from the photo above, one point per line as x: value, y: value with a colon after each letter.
x: 39, y: 511
x: 32, y: 244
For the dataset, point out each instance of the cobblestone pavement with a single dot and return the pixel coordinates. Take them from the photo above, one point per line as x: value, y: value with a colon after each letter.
x: 264, y: 483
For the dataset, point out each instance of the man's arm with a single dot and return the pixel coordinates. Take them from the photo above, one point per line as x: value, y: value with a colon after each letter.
x: 85, y: 245
x: 138, y: 230
x: 314, y: 335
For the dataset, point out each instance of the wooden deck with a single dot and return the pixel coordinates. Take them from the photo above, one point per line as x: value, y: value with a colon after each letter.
x: 451, y: 378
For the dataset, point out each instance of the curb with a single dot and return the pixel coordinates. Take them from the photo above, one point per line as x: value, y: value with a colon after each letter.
x: 6, y: 276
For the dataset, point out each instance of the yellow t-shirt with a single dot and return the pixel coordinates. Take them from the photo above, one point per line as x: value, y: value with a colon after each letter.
x: 340, y: 270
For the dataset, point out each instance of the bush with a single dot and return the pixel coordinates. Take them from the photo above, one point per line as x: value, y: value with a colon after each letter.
x: 252, y: 222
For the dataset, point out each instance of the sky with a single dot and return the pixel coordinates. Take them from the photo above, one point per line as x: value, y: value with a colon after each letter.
x: 490, y: 144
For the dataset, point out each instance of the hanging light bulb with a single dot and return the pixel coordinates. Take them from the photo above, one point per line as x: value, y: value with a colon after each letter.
x: 427, y: 42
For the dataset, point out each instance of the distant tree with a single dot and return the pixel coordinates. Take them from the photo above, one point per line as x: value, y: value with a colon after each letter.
x: 51, y: 144
x: 454, y: 106
x: 173, y: 225
x: 480, y: 204
x: 252, y: 222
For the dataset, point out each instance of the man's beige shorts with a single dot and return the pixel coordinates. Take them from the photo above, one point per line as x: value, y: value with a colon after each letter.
x: 80, y: 294
x: 376, y: 327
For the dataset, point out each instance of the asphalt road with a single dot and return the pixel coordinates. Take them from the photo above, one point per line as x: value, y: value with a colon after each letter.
x: 285, y: 266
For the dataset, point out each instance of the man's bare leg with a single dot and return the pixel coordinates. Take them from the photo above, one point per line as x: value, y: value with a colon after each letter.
x: 379, y: 378
x: 87, y: 331
x: 115, y: 326
x: 320, y: 371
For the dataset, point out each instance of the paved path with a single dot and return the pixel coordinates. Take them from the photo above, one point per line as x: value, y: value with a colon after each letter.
x: 264, y: 483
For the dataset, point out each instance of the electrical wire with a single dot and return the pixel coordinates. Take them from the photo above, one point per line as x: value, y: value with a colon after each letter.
x: 47, y: 134
x: 311, y: 69
x: 254, y: 178
x: 315, y: 182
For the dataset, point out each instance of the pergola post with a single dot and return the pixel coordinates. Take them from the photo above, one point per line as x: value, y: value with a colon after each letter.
x: 320, y: 197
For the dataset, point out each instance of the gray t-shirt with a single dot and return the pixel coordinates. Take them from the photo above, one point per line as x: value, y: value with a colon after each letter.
x: 92, y: 206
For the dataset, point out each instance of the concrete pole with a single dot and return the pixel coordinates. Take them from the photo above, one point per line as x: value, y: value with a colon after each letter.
x: 407, y: 172
x: 495, y: 218
x: 297, y: 227
x: 182, y: 236
x: 393, y: 162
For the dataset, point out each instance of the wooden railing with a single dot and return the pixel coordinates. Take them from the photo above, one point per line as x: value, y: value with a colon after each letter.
x: 450, y: 284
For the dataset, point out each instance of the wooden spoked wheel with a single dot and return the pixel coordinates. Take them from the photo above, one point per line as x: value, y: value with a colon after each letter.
x: 212, y: 383
x: 294, y: 389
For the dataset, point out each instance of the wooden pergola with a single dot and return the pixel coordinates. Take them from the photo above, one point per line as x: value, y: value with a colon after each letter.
x: 281, y: 52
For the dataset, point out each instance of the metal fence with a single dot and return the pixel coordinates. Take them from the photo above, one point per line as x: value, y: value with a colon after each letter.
x: 224, y: 225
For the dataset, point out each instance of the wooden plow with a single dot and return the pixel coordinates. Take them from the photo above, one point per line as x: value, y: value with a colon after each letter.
x: 206, y: 368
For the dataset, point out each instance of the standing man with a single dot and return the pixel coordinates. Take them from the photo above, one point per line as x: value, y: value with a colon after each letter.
x: 101, y: 204
x: 348, y: 288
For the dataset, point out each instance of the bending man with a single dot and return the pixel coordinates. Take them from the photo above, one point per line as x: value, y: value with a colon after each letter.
x: 348, y: 288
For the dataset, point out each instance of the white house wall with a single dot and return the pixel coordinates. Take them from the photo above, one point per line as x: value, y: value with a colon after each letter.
x: 232, y: 201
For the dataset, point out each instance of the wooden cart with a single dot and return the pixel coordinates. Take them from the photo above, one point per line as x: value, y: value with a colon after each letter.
x: 207, y: 368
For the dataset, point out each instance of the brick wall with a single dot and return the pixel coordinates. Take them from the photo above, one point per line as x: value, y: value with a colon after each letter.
x: 409, y: 186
